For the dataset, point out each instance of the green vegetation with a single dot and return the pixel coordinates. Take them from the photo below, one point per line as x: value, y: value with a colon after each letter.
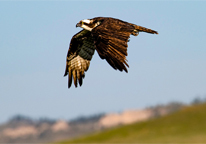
x: 185, y: 126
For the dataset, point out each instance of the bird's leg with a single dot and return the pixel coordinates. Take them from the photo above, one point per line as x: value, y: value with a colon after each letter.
x: 135, y: 32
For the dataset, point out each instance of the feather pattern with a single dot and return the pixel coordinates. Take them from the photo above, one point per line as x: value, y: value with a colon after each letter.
x: 79, y: 55
x: 111, y: 39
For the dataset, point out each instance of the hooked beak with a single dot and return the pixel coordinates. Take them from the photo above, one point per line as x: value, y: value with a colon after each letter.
x: 78, y: 25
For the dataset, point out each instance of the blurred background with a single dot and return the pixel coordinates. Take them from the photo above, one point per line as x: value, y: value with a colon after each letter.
x: 34, y: 40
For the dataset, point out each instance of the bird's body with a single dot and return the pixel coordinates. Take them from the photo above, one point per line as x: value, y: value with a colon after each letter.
x: 109, y: 36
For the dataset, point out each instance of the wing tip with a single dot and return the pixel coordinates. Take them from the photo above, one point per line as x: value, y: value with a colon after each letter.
x: 66, y: 72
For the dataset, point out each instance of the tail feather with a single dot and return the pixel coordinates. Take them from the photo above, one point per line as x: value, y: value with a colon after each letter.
x: 142, y: 29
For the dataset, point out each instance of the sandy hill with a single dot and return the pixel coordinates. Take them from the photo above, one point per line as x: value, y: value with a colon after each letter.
x: 185, y: 126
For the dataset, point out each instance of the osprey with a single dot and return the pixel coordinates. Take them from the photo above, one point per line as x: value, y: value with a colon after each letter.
x: 109, y: 36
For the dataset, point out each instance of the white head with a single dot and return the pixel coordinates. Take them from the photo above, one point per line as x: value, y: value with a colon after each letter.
x: 87, y: 24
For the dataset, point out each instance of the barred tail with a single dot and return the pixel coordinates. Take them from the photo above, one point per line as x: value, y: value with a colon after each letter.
x: 142, y: 29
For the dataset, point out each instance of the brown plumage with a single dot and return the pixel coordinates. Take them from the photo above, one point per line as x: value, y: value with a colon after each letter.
x: 108, y: 36
x: 80, y: 53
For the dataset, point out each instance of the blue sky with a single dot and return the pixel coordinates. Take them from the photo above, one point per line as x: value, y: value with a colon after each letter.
x: 34, y: 39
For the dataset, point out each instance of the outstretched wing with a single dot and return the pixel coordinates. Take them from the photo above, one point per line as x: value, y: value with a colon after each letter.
x: 80, y: 53
x: 111, y: 38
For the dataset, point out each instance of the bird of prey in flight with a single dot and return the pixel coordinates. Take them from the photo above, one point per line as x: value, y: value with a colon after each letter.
x: 108, y: 36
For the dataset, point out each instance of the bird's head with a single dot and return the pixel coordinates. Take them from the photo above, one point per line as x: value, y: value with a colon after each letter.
x: 88, y: 24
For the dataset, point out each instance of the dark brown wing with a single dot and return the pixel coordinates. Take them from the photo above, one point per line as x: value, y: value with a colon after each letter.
x: 80, y: 53
x: 111, y: 38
